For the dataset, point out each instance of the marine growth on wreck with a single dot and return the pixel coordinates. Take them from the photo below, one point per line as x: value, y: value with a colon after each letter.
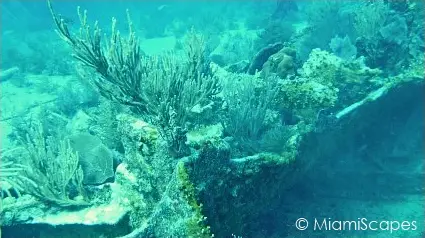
x: 280, y: 118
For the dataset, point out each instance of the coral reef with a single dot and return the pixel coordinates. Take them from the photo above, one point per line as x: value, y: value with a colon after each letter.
x: 163, y: 90
x: 200, y: 140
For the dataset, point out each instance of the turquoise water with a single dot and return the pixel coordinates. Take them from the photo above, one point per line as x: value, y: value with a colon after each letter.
x: 241, y: 119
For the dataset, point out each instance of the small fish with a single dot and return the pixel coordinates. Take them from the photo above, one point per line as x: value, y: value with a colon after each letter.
x: 162, y: 7
x: 67, y: 20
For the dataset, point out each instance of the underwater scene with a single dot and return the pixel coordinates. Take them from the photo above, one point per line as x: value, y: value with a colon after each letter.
x: 226, y: 119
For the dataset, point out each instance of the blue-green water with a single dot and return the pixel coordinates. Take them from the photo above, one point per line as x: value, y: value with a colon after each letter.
x: 225, y: 119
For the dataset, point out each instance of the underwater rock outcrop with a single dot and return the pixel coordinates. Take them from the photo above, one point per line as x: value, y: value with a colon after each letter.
x: 8, y: 73
x: 281, y: 63
x: 262, y: 56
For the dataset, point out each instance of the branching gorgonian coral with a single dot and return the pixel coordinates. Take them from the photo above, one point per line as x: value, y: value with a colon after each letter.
x: 54, y: 168
x: 162, y: 90
x: 12, y: 178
